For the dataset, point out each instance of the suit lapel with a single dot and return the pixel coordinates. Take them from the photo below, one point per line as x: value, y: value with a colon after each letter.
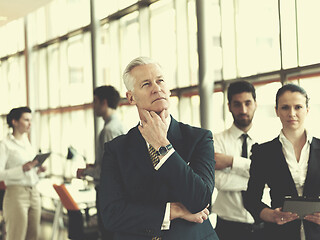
x: 312, y: 177
x: 138, y: 151
x: 175, y: 136
x: 283, y: 168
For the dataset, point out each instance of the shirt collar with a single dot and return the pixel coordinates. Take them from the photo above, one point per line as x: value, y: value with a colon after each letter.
x: 238, y: 132
x: 21, y: 142
x: 282, y: 137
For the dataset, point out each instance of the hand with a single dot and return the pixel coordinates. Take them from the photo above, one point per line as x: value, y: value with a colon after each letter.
x: 197, y: 217
x: 80, y: 173
x: 153, y: 128
x: 277, y: 216
x: 41, y: 169
x: 29, y: 165
x: 315, y: 218
x: 178, y: 210
x: 222, y: 161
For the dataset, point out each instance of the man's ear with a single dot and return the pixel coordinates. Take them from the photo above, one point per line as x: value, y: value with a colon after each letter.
x: 130, y: 98
x: 14, y: 122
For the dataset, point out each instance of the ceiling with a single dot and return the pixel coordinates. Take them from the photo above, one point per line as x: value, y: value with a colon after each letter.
x: 13, y: 9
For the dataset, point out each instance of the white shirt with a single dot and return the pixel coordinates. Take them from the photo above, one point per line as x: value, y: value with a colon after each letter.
x: 13, y: 154
x: 232, y: 180
x: 298, y: 169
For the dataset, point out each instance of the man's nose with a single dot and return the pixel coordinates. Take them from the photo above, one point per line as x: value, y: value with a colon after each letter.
x: 156, y: 87
x: 244, y: 108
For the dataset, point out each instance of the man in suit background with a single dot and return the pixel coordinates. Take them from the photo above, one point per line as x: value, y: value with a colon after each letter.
x: 157, y: 180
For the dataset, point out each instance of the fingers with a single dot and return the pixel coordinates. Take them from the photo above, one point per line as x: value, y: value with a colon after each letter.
x: 285, y: 217
x: 31, y: 164
x: 34, y: 163
x: 203, y: 215
x: 163, y: 116
x: 150, y: 115
x: 206, y: 211
x: 146, y: 115
x: 315, y: 218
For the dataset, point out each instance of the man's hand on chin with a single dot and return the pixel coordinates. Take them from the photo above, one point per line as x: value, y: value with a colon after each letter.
x: 153, y: 128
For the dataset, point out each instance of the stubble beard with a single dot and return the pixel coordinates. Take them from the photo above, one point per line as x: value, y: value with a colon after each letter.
x: 242, y: 123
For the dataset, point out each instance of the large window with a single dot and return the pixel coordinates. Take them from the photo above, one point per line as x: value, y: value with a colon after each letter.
x: 264, y: 42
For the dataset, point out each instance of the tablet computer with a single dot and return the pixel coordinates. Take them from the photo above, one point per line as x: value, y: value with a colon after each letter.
x: 301, y: 205
x: 41, y: 157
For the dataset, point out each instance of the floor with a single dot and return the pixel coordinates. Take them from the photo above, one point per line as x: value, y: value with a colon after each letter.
x: 46, y: 231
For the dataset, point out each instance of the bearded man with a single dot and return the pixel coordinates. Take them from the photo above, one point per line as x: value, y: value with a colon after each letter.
x: 232, y: 166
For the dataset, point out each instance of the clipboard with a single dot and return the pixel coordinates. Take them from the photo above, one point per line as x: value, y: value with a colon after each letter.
x: 301, y: 205
x: 41, y: 157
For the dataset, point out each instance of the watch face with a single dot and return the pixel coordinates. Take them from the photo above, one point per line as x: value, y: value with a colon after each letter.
x: 163, y: 150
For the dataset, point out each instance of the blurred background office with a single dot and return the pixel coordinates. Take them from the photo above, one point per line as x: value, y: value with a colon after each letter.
x: 53, y: 53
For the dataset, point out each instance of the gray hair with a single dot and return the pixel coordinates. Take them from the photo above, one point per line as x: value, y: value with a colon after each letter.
x: 128, y: 79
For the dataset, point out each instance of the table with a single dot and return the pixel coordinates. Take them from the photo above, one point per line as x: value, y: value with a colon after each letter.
x: 84, y: 197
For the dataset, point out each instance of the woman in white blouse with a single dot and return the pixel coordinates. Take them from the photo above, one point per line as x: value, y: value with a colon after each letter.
x: 21, y: 204
x: 290, y: 166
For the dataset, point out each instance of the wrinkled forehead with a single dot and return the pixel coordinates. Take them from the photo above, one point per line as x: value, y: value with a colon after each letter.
x: 146, y: 72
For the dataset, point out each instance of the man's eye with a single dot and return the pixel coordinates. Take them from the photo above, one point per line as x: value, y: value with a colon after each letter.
x: 145, y: 84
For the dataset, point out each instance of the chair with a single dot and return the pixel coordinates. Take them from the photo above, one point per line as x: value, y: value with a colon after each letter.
x: 76, y: 227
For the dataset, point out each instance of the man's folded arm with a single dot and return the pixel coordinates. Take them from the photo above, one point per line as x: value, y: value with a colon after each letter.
x: 191, y: 183
x: 229, y: 181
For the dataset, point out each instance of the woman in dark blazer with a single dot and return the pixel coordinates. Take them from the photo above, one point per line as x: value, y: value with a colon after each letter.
x: 290, y: 166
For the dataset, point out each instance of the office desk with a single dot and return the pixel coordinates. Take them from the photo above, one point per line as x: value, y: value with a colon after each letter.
x: 84, y: 198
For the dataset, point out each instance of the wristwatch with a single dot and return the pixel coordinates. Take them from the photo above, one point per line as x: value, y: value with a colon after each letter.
x: 163, y: 150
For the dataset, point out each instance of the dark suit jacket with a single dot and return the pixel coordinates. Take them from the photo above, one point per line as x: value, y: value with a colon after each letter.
x: 269, y: 166
x: 134, y: 195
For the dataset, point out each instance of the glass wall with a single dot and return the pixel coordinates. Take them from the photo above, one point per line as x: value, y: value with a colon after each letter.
x: 265, y: 42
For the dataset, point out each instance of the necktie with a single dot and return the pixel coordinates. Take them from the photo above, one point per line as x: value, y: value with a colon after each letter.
x: 153, y: 156
x: 244, y: 152
x: 155, y: 160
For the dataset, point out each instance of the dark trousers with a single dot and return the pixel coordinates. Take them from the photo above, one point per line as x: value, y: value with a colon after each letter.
x: 105, y: 235
x: 228, y: 230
